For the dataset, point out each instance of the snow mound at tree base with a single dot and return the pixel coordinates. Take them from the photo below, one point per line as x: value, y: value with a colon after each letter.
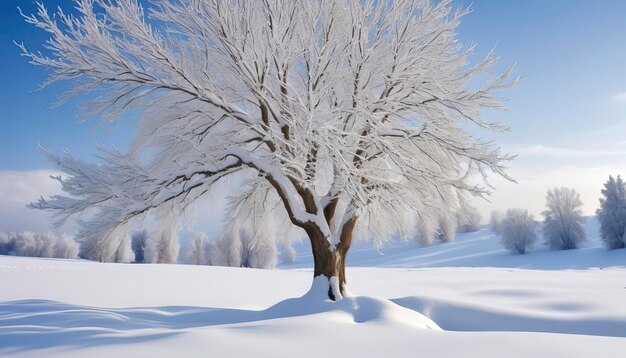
x: 357, y: 309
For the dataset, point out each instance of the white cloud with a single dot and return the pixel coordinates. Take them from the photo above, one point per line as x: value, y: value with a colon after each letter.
x: 534, y: 179
x: 540, y: 167
x: 17, y: 189
x: 539, y: 150
x: 619, y: 96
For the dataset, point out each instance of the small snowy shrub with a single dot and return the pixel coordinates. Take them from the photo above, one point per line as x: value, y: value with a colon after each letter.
x: 66, y: 248
x: 518, y: 231
x: 612, y: 213
x: 564, y: 224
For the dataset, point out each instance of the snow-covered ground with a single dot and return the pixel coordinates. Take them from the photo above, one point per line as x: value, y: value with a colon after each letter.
x: 467, y: 298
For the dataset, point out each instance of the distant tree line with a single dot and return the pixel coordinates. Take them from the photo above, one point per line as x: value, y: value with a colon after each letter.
x: 564, y: 225
x: 467, y: 219
x: 38, y: 245
x: 562, y: 229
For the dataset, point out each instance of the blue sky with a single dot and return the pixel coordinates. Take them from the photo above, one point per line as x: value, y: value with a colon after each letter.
x: 567, y: 115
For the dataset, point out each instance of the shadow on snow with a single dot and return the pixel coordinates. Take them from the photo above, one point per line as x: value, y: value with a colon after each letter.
x: 40, y: 324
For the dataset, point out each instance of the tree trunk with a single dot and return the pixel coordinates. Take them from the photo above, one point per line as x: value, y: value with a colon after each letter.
x: 331, y: 262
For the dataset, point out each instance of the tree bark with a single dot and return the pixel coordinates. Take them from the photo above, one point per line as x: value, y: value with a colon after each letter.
x: 331, y: 262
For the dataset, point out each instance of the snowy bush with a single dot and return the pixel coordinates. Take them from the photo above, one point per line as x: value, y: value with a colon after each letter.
x: 38, y: 245
x: 518, y: 231
x: 468, y: 220
x: 564, y: 224
x: 66, y: 248
x: 495, y: 222
x: 163, y: 248
x: 138, y: 244
x: 612, y: 213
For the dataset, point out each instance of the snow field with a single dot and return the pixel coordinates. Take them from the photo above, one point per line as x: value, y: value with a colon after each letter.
x: 65, y: 308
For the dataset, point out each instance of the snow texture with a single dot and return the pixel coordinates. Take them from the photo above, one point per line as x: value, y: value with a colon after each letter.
x: 532, y: 308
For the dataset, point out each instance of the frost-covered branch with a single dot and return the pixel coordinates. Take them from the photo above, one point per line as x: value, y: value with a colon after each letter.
x: 354, y: 114
x: 109, y: 196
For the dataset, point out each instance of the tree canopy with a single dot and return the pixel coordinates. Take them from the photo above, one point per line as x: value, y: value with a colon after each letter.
x: 339, y: 117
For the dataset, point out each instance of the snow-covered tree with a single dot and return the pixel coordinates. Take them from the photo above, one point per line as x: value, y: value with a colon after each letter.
x: 196, y: 255
x: 518, y: 231
x: 612, y: 213
x: 139, y: 240
x: 163, y: 248
x: 468, y: 220
x: 350, y: 115
x: 241, y: 248
x: 257, y: 251
x: 495, y: 221
x: 65, y: 248
x: 564, y: 224
x: 34, y: 244
x: 228, y: 248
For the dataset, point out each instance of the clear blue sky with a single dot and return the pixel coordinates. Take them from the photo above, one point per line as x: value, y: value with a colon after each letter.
x: 567, y: 116
x: 26, y: 114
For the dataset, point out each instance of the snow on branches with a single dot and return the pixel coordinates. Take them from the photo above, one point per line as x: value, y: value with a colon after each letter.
x: 352, y: 113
